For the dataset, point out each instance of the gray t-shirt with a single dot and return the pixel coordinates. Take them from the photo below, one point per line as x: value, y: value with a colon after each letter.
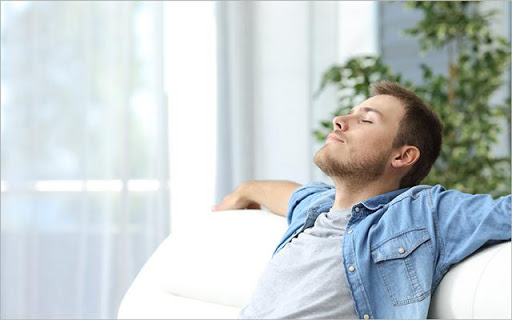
x: 306, y: 279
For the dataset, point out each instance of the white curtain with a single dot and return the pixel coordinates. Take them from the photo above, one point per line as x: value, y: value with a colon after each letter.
x: 235, y: 123
x: 84, y: 168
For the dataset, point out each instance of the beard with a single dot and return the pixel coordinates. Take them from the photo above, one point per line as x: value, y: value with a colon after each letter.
x: 352, y: 171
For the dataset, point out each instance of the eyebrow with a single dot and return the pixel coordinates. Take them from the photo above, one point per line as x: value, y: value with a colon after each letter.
x: 368, y: 109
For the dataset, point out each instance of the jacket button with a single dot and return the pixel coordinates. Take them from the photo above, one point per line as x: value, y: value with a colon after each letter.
x: 356, y: 209
x: 351, y: 268
x: 366, y: 317
x: 401, y: 250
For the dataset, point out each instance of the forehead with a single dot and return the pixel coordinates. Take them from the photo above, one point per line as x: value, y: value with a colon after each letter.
x: 389, y: 107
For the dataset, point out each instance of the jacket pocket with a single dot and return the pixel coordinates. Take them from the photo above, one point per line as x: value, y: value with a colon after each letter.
x: 405, y: 263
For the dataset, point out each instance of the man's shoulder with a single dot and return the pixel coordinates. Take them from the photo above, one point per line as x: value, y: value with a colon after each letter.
x: 422, y: 190
x: 316, y: 185
x: 311, y: 188
x: 436, y: 194
x: 426, y: 192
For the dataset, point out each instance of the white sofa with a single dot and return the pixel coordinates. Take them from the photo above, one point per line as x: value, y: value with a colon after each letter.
x: 209, y: 272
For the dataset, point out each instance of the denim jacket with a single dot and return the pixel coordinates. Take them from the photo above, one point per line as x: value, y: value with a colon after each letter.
x: 399, y: 245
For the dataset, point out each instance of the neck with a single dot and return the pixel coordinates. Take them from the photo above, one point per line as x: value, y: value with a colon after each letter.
x: 349, y: 194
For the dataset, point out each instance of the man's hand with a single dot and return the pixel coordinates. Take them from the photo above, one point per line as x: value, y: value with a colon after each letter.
x: 273, y: 195
x: 237, y: 199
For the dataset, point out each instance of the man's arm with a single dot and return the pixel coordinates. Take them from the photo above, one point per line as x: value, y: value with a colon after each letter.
x: 466, y: 222
x: 273, y: 195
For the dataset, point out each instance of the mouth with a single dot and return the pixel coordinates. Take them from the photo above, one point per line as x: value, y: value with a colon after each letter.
x: 334, y: 137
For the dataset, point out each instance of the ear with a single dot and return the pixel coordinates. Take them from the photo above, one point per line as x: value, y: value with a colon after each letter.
x: 405, y: 156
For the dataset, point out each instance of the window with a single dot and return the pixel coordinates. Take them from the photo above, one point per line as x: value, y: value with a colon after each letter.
x: 84, y: 165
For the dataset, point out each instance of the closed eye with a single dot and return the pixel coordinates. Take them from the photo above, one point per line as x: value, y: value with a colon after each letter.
x: 366, y: 121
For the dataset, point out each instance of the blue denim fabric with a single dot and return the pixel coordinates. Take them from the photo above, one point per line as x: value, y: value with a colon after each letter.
x: 399, y: 245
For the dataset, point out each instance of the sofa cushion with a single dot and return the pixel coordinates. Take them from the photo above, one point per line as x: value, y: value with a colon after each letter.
x: 196, y: 268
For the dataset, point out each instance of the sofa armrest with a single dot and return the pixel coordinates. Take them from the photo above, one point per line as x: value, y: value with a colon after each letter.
x: 478, y: 287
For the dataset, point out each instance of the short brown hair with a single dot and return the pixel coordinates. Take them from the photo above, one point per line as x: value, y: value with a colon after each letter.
x: 419, y: 127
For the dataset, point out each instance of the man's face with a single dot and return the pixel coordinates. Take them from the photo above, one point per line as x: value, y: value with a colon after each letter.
x: 360, y: 145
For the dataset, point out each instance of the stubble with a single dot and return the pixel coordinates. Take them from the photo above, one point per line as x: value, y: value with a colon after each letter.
x: 356, y: 171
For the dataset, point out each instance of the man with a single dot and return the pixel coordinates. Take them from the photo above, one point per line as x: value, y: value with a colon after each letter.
x: 377, y: 244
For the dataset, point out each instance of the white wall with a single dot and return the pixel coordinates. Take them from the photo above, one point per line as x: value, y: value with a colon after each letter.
x: 282, y: 90
x: 190, y: 83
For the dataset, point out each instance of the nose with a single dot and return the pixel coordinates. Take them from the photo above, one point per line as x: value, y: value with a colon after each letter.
x: 340, y: 123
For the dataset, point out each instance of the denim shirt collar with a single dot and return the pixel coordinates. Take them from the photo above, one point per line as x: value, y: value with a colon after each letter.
x: 326, y: 200
x: 371, y: 204
x: 379, y: 201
